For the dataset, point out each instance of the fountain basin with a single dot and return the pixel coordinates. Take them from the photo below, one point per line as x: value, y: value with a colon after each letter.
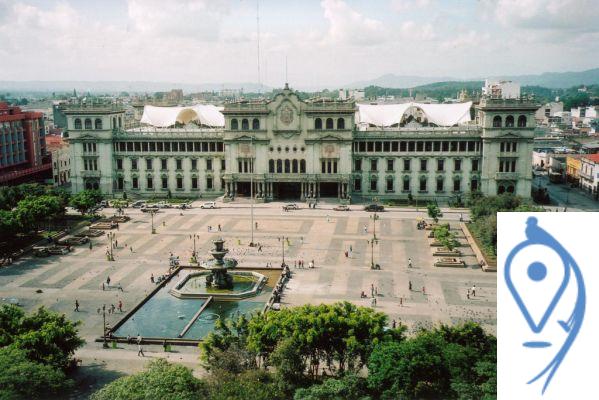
x: 193, y: 286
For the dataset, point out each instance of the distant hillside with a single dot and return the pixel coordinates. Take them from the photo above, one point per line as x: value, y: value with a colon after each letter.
x: 397, y: 81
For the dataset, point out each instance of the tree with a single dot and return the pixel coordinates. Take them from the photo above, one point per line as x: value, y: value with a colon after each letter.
x: 444, y: 236
x: 160, y: 380
x: 433, y: 211
x: 348, y: 387
x: 224, y: 349
x: 8, y: 225
x: 85, y: 200
x: 251, y: 384
x: 22, y: 378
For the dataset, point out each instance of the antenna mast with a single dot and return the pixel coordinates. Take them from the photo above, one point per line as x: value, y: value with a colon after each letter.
x: 258, y: 41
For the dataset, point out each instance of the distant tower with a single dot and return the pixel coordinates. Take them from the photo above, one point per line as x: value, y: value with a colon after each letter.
x: 74, y: 93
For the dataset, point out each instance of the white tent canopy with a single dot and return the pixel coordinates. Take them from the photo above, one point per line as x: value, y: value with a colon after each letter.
x: 204, y: 114
x: 384, y: 115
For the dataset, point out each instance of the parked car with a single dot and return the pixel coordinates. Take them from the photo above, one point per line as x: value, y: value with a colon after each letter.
x: 342, y: 207
x: 209, y: 204
x: 41, y: 251
x: 291, y: 206
x: 183, y: 206
x: 58, y: 250
x: 104, y: 203
x: 149, y: 209
x: 374, y: 208
x: 138, y: 204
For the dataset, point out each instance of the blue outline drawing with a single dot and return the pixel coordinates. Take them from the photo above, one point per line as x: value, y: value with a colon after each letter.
x: 538, y: 236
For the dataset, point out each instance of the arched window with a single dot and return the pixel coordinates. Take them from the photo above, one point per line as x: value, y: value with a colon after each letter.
x: 120, y: 122
x: 509, y: 121
x: 245, y: 125
x: 318, y: 123
x: 88, y: 123
x: 329, y: 123
x: 271, y: 166
x: 497, y: 122
x: 234, y: 124
x: 510, y: 189
x: 255, y: 124
x: 294, y: 166
x: 340, y: 123
x: 501, y: 189
x: 113, y: 122
x: 280, y: 166
x: 96, y: 186
x: 302, y: 166
x: 287, y: 166
x: 88, y: 185
x: 98, y: 123
x: 77, y: 123
x: 522, y: 121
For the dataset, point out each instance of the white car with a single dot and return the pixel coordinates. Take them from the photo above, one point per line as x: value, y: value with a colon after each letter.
x: 138, y: 204
x: 183, y: 206
x: 209, y: 204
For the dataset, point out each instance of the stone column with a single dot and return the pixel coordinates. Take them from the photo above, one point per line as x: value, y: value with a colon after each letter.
x: 339, y: 190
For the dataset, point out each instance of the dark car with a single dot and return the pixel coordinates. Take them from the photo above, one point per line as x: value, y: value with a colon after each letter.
x: 374, y: 208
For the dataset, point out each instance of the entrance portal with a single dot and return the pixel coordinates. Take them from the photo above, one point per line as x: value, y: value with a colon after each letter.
x: 243, y: 189
x: 287, y: 190
x: 328, y: 189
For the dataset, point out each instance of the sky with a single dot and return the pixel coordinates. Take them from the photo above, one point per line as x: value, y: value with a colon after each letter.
x: 322, y: 42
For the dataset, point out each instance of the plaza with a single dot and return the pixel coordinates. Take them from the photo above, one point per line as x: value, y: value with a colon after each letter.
x: 322, y: 235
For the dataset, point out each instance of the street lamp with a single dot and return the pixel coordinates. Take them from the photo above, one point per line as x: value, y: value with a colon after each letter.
x: 112, y: 237
x: 282, y: 239
x: 252, y: 188
x: 374, y: 217
x: 194, y: 254
x: 104, y: 344
x: 372, y: 242
x: 152, y: 215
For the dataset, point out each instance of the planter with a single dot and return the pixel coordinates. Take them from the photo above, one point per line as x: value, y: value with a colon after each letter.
x: 436, y: 243
x: 444, y: 252
x: 451, y: 262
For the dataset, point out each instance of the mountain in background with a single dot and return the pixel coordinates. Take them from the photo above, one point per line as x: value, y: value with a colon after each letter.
x: 554, y: 80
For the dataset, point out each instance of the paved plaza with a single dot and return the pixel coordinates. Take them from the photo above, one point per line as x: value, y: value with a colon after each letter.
x: 322, y: 235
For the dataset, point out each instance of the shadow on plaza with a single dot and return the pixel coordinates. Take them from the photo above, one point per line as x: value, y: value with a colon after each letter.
x: 90, y: 378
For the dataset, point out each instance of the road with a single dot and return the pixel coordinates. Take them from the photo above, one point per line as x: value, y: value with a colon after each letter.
x: 563, y: 196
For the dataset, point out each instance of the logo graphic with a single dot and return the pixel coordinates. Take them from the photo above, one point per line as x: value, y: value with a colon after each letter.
x: 536, y: 272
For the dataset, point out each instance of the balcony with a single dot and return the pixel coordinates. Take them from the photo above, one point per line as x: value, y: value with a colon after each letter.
x: 507, y: 175
x: 91, y: 174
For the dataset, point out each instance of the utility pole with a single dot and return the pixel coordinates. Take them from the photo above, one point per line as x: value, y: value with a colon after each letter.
x: 104, y: 344
x: 372, y: 242
x: 283, y: 239
x: 152, y: 215
x: 252, y: 188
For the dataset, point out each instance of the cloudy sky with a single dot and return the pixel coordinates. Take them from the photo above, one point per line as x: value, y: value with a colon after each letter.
x: 328, y: 42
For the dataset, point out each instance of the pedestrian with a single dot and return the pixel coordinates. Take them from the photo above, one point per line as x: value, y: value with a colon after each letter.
x: 113, y: 308
x: 409, y: 263
x: 410, y: 285
x: 140, y: 350
x: 372, y: 290
x: 423, y: 290
x: 365, y: 229
x: 131, y: 248
x: 256, y: 225
x: 76, y: 305
x: 165, y: 346
x: 119, y: 287
x: 116, y: 244
x: 328, y: 219
x: 468, y: 294
x: 163, y: 223
x: 401, y: 301
x: 373, y: 302
x: 346, y: 254
x: 108, y: 281
x: 302, y: 240
x: 98, y: 310
x: 219, y: 228
x: 376, y: 291
x: 295, y: 264
x: 260, y: 248
x: 120, y: 306
x: 138, y: 338
x: 90, y: 244
x: 473, y: 290
x: 394, y: 324
x: 103, y: 286
x: 152, y: 278
x: 351, y: 248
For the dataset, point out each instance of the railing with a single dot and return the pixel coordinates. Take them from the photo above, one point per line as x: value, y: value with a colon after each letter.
x: 507, y: 175
x: 90, y: 174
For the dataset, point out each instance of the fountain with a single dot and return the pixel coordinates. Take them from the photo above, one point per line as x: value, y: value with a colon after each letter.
x: 218, y: 267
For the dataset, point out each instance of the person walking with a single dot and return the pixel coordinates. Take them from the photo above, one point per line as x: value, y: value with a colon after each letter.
x: 140, y: 350
x: 108, y: 281
x: 152, y: 278
x: 365, y: 229
x: 409, y: 263
x: 410, y: 285
x: 76, y: 305
x: 473, y: 290
x: 394, y: 324
x: 163, y: 223
x: 219, y: 228
x: 256, y: 225
x: 116, y: 244
x: 90, y: 245
x: 401, y: 301
x: 423, y: 290
x: 372, y: 290
x: 131, y: 248
x: 120, y: 306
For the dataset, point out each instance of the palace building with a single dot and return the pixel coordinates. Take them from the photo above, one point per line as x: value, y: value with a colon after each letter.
x: 289, y: 148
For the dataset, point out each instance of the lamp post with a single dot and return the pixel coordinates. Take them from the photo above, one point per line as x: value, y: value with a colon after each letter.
x: 152, y: 215
x: 372, y: 242
x: 104, y: 343
x: 374, y: 217
x: 111, y: 236
x: 282, y: 239
x: 252, y: 188
x: 194, y: 254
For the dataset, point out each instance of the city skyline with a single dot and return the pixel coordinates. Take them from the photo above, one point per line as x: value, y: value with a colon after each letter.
x: 324, y: 43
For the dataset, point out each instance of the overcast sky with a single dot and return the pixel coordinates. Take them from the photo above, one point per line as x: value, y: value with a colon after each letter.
x: 328, y: 42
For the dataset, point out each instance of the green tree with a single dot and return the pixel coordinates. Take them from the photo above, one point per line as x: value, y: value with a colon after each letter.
x: 8, y: 225
x: 348, y: 387
x: 251, y: 384
x: 160, y: 380
x: 85, y: 200
x: 224, y: 349
x: 22, y: 378
x: 433, y: 211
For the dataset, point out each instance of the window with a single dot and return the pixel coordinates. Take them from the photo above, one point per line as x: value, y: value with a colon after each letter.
x: 279, y: 166
x: 88, y: 123
x: 150, y: 183
x: 406, y: 165
x: 119, y: 183
x: 245, y: 125
x: 497, y: 121
x: 457, y: 165
x: 389, y: 184
x: 134, y: 164
x: 323, y: 167
x: 474, y: 165
x: 509, y: 121
x: 513, y: 165
x: 423, y: 165
x: 423, y: 184
x: 456, y: 185
x: 373, y: 165
x: 179, y: 182
x: 208, y: 164
x: 358, y: 165
x: 390, y: 165
x: 194, y: 182
x: 439, y: 184
x: 378, y: 147
x: 373, y: 185
x: 440, y: 165
x: 194, y: 164
x: 179, y: 164
x: 209, y: 183
x: 474, y: 185
x: 294, y: 166
x: 98, y: 123
x: 318, y: 123
x: 163, y: 164
x: 255, y: 124
x: 164, y: 182
x: 287, y: 166
x: 358, y: 185
x: 234, y: 124
x: 329, y: 123
x: 119, y: 163
x: 340, y: 123
x: 120, y: 122
x: 77, y: 123
x: 135, y: 182
x: 334, y: 167
x: 271, y: 166
x: 223, y: 164
x: 302, y: 166
x: 148, y: 163
x: 406, y: 184
x: 522, y: 121
x: 114, y: 123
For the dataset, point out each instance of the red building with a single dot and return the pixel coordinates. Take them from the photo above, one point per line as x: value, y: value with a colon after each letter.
x: 23, y: 155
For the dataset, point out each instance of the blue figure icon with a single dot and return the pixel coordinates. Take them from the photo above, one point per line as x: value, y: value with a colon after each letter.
x: 537, y: 271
